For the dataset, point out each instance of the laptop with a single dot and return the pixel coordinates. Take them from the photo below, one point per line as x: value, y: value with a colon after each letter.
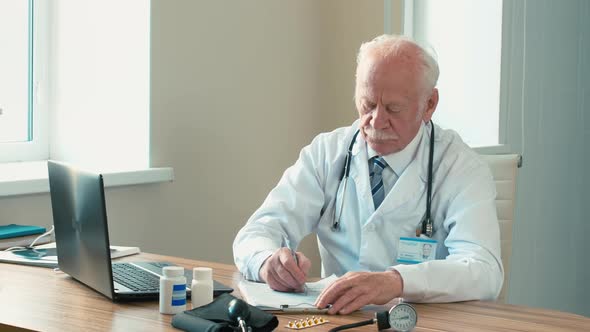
x: 82, y: 239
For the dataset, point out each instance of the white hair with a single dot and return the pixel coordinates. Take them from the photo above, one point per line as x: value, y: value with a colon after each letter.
x: 395, y: 45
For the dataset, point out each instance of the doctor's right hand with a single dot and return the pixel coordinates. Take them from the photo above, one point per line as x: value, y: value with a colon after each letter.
x: 283, y: 273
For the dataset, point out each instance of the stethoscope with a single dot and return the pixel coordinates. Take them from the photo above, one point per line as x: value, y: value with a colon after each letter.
x: 426, y: 226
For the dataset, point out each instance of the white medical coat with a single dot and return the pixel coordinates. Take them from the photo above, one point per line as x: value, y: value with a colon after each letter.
x: 467, y: 265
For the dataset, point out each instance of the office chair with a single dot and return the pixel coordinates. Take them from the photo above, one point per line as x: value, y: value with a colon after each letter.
x: 504, y: 172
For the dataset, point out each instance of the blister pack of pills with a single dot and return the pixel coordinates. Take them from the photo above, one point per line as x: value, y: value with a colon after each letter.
x: 306, y: 322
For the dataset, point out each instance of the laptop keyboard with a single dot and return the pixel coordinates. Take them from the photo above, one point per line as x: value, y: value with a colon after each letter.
x: 160, y: 265
x: 135, y: 278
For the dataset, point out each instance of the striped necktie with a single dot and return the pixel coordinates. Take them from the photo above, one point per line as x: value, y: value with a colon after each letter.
x: 377, y: 164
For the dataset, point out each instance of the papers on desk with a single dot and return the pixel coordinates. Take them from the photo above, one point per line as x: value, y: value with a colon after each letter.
x: 263, y: 297
x: 23, y: 241
x: 46, y: 255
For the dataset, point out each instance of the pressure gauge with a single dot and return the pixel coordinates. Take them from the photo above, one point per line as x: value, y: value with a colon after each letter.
x: 403, y: 317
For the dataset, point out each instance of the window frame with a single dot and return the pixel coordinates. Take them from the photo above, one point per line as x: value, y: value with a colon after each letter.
x: 37, y: 148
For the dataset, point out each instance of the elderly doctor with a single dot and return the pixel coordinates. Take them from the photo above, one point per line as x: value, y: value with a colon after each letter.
x: 371, y: 217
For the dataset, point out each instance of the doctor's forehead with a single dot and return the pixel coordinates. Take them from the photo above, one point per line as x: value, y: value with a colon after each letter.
x: 395, y: 92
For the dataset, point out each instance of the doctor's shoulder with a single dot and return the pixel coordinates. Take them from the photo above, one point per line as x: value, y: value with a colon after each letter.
x: 459, y: 159
x: 332, y: 144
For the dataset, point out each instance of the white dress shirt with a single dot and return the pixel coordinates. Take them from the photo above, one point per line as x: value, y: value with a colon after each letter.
x: 309, y: 195
x: 397, y: 162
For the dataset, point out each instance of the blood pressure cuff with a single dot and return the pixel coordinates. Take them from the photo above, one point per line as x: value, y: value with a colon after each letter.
x: 214, y: 317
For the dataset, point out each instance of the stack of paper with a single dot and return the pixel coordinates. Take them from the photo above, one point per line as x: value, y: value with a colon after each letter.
x: 46, y: 255
x: 23, y: 241
x: 263, y: 297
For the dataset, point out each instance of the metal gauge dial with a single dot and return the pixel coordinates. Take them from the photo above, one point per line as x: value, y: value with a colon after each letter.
x: 403, y: 317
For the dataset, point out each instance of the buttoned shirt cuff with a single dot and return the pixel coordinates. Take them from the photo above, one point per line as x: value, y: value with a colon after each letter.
x: 414, y: 281
x: 255, y: 264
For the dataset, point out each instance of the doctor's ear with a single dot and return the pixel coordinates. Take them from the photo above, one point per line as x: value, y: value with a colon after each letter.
x: 431, y: 104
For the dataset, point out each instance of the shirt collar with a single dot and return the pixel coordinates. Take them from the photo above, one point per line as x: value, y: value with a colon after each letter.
x: 398, y: 161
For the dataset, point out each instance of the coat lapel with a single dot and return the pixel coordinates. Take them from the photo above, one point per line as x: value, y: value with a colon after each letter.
x: 359, y: 171
x: 409, y: 186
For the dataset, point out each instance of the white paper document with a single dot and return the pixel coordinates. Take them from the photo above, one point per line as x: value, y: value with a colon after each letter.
x: 261, y: 295
x: 45, y: 255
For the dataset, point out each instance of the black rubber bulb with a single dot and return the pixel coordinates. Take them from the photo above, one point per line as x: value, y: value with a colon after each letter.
x: 238, y: 311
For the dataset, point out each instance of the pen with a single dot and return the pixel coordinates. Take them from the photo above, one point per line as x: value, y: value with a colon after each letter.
x: 294, y: 254
x: 291, y: 309
x: 287, y: 244
x: 305, y: 310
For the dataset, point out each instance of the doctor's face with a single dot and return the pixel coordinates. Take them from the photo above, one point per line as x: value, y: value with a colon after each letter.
x: 392, y: 102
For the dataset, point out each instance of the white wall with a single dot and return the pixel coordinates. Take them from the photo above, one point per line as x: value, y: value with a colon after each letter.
x: 548, y: 122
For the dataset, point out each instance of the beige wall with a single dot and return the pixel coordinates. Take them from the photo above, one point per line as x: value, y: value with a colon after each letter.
x: 237, y: 89
x: 344, y: 25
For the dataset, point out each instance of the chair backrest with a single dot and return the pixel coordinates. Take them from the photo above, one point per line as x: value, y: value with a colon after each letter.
x: 504, y: 172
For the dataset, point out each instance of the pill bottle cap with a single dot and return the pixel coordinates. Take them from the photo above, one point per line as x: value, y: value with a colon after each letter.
x: 173, y: 271
x: 202, y: 273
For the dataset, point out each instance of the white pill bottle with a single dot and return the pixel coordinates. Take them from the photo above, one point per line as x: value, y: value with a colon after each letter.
x: 172, y: 290
x: 202, y: 286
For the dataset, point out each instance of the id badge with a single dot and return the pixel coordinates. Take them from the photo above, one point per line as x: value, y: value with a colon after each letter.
x: 415, y: 250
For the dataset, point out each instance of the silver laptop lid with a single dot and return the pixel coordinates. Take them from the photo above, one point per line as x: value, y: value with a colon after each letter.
x: 81, y: 231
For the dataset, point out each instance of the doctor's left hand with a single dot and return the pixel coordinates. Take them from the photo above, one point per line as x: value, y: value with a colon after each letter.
x: 356, y: 289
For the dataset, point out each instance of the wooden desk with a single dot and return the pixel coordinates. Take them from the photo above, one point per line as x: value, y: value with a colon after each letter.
x: 41, y: 299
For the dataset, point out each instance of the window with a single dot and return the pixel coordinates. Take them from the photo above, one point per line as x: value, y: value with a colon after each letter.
x: 15, y: 33
x: 22, y: 122
x: 467, y: 38
x: 74, y: 82
x: 100, y: 82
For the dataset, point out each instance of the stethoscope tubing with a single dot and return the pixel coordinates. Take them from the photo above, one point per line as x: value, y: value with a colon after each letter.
x: 345, y: 175
x: 427, y: 225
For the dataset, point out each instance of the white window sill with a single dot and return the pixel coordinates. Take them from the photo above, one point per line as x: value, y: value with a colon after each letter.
x: 31, y: 177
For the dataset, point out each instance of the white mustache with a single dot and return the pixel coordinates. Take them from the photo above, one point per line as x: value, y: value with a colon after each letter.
x: 378, y: 135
